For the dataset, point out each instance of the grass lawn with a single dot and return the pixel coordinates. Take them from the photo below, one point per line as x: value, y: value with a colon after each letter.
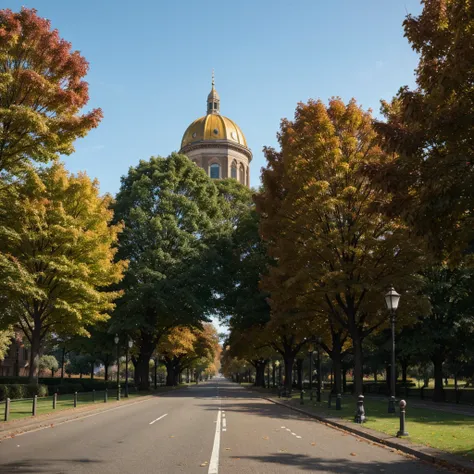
x: 442, y: 430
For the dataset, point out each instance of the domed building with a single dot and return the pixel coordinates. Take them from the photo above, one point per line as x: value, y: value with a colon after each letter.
x: 217, y: 145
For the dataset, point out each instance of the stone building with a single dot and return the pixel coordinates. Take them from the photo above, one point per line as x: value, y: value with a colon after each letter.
x: 217, y: 145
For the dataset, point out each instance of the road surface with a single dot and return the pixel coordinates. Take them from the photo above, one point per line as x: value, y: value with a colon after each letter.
x: 215, y: 427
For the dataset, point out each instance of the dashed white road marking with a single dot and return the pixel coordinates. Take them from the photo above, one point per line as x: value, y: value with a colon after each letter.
x: 158, y: 419
x: 224, y: 424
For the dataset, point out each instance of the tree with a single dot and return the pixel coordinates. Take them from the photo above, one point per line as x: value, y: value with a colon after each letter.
x: 321, y: 217
x: 48, y: 362
x: 60, y: 235
x: 42, y: 93
x: 172, y: 216
x: 429, y: 129
x: 6, y: 338
x: 186, y: 348
x: 446, y: 331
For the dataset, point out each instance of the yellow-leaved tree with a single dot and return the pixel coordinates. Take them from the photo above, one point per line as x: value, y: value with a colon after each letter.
x: 58, y: 233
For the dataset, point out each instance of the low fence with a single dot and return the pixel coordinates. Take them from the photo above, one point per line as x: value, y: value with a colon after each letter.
x: 22, y: 407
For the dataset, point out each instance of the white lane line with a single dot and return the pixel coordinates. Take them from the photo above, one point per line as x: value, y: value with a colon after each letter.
x: 158, y: 419
x: 214, y: 463
x: 299, y: 437
x: 294, y: 434
x: 224, y: 424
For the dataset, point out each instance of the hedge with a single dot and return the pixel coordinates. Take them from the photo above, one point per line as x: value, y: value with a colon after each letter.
x: 16, y: 390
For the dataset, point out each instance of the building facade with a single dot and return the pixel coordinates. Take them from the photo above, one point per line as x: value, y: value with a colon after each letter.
x: 217, y: 145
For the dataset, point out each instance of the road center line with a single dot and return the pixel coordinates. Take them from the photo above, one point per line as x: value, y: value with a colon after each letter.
x: 214, y: 463
x: 158, y: 419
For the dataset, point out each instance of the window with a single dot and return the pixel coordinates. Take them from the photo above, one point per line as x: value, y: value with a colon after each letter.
x: 242, y: 174
x: 233, y: 170
x: 215, y: 171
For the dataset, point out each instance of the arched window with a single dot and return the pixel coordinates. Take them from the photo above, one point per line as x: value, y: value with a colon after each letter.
x: 215, y: 171
x: 233, y: 170
x: 242, y: 174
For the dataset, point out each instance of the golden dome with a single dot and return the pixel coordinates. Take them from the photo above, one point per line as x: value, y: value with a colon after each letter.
x: 213, y: 127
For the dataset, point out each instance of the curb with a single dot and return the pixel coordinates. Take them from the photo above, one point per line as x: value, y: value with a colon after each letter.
x: 51, y: 419
x: 424, y: 453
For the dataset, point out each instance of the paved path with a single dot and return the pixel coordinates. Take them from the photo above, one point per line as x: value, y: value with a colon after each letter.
x: 216, y: 427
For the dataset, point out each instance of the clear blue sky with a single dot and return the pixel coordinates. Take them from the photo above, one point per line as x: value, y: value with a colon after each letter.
x: 151, y: 63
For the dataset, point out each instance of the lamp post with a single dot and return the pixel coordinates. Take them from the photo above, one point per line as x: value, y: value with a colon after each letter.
x: 277, y: 364
x: 392, y: 299
x: 129, y: 346
x: 310, y: 352
x: 116, y: 340
x: 319, y: 368
x: 156, y: 371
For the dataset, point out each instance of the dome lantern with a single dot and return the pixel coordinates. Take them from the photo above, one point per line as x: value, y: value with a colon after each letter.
x: 213, y: 99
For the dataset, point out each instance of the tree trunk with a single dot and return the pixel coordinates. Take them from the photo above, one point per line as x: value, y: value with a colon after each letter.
x: 63, y: 355
x: 147, y: 345
x: 375, y: 376
x: 404, y: 372
x: 92, y: 370
x: 259, y: 373
x: 438, y: 378
x: 106, y: 372
x: 358, y: 361
x: 35, y: 351
x: 344, y: 380
x: 299, y: 374
x: 289, y: 361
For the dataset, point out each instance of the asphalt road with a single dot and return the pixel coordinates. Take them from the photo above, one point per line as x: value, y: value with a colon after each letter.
x: 216, y: 427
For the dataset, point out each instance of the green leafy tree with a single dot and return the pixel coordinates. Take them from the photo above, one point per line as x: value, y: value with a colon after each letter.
x: 48, y: 362
x: 172, y: 216
x: 445, y: 332
x: 431, y: 172
x: 61, y: 237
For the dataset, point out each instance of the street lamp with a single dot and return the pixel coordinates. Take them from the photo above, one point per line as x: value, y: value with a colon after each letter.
x: 116, y: 340
x: 310, y: 352
x: 392, y: 299
x: 277, y: 363
x: 129, y: 346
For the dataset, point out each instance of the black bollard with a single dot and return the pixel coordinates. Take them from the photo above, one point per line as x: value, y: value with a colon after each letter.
x: 302, y: 397
x: 311, y: 395
x: 75, y: 399
x: 93, y: 395
x: 360, y: 414
x: 402, y: 431
x: 338, y: 401
x: 105, y: 395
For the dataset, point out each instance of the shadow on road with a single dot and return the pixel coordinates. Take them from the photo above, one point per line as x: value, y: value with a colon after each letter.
x: 341, y: 465
x: 43, y: 465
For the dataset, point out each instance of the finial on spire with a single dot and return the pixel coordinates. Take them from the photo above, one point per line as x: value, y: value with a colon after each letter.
x: 213, y: 81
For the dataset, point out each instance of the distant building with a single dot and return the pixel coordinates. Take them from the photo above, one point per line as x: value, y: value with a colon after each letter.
x: 217, y: 145
x: 16, y: 361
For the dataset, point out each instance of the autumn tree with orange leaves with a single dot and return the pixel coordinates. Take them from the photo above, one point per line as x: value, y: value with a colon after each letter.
x: 333, y: 247
x: 42, y: 92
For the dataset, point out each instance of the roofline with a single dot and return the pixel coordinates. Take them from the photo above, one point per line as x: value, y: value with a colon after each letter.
x: 219, y: 144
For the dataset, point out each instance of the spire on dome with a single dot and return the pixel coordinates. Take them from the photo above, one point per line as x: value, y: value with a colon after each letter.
x: 213, y: 99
